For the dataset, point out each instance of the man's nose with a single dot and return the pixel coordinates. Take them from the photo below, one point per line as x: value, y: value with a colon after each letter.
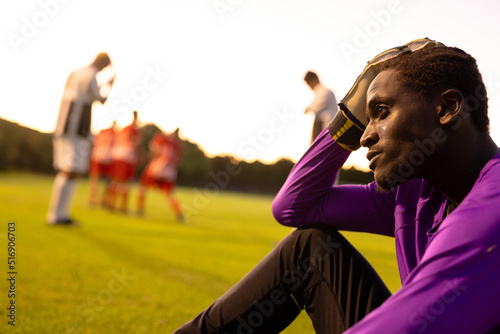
x: 370, y: 135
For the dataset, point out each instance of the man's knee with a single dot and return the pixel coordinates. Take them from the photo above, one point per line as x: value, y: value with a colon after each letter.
x: 71, y: 175
x: 307, y: 249
x: 319, y: 240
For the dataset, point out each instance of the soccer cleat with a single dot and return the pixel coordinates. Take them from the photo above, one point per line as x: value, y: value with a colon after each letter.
x: 64, y: 222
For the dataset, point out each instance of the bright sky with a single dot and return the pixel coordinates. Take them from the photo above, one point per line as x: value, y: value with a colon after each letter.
x: 227, y: 72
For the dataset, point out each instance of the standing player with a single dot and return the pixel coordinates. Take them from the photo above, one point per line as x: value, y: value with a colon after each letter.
x: 125, y: 157
x: 161, y: 171
x: 324, y: 105
x: 100, y: 164
x: 72, y: 135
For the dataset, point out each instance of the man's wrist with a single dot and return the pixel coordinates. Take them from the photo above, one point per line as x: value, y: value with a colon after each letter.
x: 346, y: 129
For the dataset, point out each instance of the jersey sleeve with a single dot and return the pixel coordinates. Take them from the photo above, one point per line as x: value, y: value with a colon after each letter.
x: 455, y: 286
x: 94, y: 91
x: 309, y: 197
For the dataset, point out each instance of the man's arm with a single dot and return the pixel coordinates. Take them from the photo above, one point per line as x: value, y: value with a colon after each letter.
x: 307, y: 197
x: 95, y: 92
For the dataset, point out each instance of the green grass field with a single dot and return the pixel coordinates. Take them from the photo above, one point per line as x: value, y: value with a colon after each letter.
x: 126, y: 274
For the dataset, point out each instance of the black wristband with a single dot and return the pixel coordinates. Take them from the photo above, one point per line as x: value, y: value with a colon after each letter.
x: 345, y: 129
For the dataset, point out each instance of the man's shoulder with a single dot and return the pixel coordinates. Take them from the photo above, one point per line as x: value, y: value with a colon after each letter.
x: 486, y: 186
x: 480, y: 209
x: 90, y: 70
x: 491, y: 169
x: 86, y: 73
x: 320, y: 89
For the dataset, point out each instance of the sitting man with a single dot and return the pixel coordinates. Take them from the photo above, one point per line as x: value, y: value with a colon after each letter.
x: 421, y: 110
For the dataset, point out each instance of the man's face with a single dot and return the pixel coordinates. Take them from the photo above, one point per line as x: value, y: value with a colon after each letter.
x: 312, y: 82
x: 400, y: 124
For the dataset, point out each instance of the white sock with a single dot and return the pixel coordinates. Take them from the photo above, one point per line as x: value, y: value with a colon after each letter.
x: 66, y: 199
x: 59, y: 181
x: 60, y: 200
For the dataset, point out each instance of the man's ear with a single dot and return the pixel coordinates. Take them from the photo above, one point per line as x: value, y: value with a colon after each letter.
x: 451, y: 107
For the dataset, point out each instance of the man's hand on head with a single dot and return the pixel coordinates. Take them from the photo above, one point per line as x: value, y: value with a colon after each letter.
x: 348, y: 124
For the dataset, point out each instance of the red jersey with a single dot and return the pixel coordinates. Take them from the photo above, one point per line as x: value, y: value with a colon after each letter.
x: 125, y: 145
x: 167, y: 151
x: 103, y: 144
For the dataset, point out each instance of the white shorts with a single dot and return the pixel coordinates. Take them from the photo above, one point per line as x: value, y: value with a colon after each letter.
x: 72, y: 154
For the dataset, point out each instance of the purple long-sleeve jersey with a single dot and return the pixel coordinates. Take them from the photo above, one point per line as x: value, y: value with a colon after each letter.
x: 449, y: 264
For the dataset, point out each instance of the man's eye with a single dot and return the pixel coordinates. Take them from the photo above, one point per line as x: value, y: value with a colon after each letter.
x: 382, y: 110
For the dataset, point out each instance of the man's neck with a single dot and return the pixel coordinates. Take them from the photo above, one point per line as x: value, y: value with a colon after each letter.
x: 458, y: 172
x: 317, y: 86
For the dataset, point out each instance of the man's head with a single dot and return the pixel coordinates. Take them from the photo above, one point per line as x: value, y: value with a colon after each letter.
x: 135, y: 117
x: 440, y: 68
x: 418, y: 105
x: 101, y: 60
x: 311, y: 79
x: 174, y: 135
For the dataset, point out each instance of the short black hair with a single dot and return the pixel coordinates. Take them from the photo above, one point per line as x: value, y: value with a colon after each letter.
x: 440, y: 68
x: 310, y: 76
x: 102, y: 60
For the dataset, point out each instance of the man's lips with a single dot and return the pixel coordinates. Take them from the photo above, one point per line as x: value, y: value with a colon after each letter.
x: 372, y: 157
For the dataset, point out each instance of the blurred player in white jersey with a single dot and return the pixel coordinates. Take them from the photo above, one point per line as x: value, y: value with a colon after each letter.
x: 324, y: 105
x: 72, y: 136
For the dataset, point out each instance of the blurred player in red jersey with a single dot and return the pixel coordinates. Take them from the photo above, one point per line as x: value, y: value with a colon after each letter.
x: 100, y: 164
x: 125, y: 156
x: 161, y: 170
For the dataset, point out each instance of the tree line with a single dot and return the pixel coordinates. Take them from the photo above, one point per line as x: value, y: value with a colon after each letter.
x: 26, y: 149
